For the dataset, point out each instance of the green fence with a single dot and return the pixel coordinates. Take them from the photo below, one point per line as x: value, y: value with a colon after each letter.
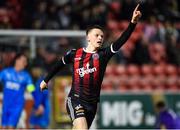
x: 132, y: 111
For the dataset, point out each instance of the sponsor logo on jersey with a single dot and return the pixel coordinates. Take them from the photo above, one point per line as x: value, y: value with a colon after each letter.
x: 85, y: 70
x: 12, y: 86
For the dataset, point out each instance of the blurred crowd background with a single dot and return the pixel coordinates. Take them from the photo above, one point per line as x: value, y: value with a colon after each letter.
x: 149, y: 60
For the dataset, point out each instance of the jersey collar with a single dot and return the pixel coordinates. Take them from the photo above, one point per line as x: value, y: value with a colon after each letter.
x: 84, y: 49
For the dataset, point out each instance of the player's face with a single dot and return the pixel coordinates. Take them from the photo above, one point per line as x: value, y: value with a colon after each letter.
x: 21, y: 62
x: 96, y: 38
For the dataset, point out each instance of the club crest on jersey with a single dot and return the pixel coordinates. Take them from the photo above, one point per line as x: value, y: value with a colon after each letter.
x: 85, y: 70
x: 95, y: 56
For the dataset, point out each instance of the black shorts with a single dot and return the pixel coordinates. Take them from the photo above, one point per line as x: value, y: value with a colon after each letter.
x: 77, y: 108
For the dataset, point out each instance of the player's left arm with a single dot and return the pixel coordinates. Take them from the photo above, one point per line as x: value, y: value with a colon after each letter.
x: 66, y: 59
x: 127, y: 33
x: 30, y: 86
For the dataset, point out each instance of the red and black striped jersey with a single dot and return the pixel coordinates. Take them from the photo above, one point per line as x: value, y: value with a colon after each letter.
x: 89, y: 68
x: 88, y: 71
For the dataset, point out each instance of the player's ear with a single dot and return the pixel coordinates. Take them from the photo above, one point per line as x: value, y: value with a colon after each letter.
x: 87, y: 38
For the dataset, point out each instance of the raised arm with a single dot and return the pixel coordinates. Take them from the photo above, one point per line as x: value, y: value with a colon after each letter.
x: 126, y: 34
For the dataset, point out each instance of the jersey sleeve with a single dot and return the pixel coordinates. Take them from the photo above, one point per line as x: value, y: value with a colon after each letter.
x: 29, y: 83
x: 114, y: 47
x: 66, y: 59
x: 124, y: 37
x: 108, y: 52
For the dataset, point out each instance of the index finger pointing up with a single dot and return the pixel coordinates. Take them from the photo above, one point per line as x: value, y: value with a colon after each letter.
x: 136, y: 7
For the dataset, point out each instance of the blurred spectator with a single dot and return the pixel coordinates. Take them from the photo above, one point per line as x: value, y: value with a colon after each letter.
x: 166, y: 117
x: 99, y: 14
x: 115, y: 10
x: 52, y: 20
x: 157, y: 52
x: 15, y: 81
x: 150, y: 29
x: 40, y: 115
x: 40, y: 16
x: 140, y: 54
x: 50, y: 57
x: 4, y: 19
x: 171, y: 38
x: 64, y: 16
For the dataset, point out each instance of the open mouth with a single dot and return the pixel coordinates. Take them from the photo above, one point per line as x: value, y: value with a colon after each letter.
x: 99, y: 42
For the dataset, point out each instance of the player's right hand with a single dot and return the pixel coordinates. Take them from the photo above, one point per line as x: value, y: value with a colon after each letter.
x: 136, y: 15
x: 39, y: 111
x: 43, y: 85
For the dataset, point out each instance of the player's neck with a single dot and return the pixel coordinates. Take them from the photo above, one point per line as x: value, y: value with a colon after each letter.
x: 17, y: 68
x: 90, y: 48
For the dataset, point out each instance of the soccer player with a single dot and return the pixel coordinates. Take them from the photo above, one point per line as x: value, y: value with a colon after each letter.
x: 40, y: 118
x: 89, y: 64
x: 15, y: 81
x: 166, y: 118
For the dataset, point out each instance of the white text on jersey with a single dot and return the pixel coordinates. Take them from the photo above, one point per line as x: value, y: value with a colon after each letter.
x: 85, y: 70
